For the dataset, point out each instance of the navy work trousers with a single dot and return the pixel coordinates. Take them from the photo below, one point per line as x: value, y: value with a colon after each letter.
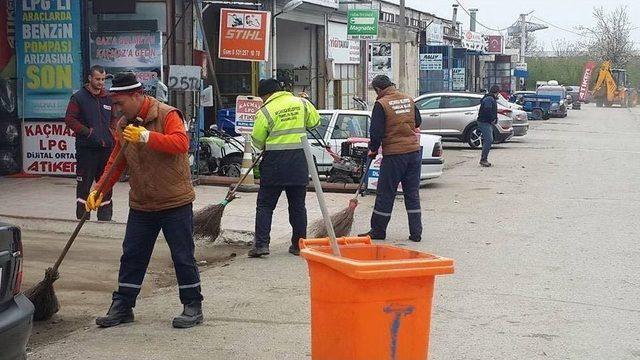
x: 90, y: 165
x: 142, y: 231
x: 268, y: 199
x: 396, y: 169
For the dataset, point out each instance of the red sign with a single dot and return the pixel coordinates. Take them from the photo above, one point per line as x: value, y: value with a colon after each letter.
x: 246, y: 109
x: 586, y: 78
x: 244, y: 35
x: 494, y: 44
x: 48, y: 148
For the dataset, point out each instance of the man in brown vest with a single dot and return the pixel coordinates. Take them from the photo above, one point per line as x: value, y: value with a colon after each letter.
x: 161, y: 198
x: 394, y: 121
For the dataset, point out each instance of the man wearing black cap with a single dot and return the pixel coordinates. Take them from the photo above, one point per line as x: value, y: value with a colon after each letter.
x: 394, y: 124
x: 90, y: 116
x: 160, y: 198
x: 487, y: 116
x: 279, y: 124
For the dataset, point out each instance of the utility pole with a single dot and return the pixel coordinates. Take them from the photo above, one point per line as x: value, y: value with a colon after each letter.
x: 403, y: 49
x: 473, y: 13
x: 523, y: 36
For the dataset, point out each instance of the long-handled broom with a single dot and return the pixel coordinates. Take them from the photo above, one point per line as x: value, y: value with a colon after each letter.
x: 342, y: 221
x: 206, y: 221
x: 42, y: 295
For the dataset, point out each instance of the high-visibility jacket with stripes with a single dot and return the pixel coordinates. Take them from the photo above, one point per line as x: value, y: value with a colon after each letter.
x: 282, y: 120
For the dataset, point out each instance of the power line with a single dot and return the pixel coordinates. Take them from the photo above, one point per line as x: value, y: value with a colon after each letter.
x: 478, y: 22
x: 558, y: 27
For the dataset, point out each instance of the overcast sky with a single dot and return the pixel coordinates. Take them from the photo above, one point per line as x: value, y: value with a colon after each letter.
x: 500, y: 14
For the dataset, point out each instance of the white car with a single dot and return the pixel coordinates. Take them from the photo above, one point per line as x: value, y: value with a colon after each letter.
x: 519, y: 116
x: 337, y: 126
x: 454, y: 116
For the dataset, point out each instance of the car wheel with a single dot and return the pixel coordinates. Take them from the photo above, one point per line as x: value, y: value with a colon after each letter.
x: 537, y: 114
x: 474, y: 137
x: 231, y: 165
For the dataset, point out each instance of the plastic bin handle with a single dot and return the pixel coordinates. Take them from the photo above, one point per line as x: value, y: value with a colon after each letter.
x: 353, y: 240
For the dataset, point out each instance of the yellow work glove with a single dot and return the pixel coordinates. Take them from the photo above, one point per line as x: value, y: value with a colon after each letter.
x: 136, y: 134
x: 93, y: 200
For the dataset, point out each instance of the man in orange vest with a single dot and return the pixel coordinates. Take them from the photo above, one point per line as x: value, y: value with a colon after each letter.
x: 160, y: 198
x: 394, y: 121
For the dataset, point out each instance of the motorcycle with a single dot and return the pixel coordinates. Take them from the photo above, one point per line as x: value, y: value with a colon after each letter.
x: 219, y: 153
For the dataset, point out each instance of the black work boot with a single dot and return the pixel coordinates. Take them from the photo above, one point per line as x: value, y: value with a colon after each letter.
x: 191, y: 316
x: 485, y: 163
x: 372, y: 235
x: 258, y: 251
x: 119, y: 313
x: 294, y: 250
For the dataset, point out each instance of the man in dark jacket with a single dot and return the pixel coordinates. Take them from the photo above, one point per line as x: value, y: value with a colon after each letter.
x: 89, y: 115
x: 394, y: 121
x: 487, y: 116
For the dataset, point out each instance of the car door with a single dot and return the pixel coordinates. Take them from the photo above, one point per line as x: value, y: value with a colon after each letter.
x: 317, y: 150
x: 429, y: 108
x: 457, y: 112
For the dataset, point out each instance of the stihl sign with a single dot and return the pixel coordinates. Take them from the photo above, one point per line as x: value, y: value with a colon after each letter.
x: 244, y: 35
x: 586, y: 79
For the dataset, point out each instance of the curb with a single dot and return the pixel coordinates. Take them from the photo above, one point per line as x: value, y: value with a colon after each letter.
x: 111, y: 229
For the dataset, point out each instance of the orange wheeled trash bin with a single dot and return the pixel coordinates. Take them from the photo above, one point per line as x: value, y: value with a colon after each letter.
x: 372, y: 303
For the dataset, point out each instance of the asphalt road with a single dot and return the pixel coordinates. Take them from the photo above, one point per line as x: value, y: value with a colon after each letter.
x: 545, y: 244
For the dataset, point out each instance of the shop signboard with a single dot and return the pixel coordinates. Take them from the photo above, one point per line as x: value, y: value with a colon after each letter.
x: 495, y: 44
x: 362, y: 24
x: 246, y: 109
x: 586, y: 79
x: 7, y: 39
x: 137, y: 51
x: 430, y: 62
x: 244, y: 35
x: 339, y: 47
x: 458, y: 79
x: 48, y: 148
x: 435, y: 34
x: 48, y: 53
x: 521, y: 70
x: 474, y: 41
x: 380, y: 60
x: 184, y: 78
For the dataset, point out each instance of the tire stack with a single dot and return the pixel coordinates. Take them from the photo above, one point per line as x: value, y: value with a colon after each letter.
x: 10, y: 130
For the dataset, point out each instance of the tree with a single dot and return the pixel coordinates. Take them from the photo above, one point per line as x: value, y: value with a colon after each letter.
x: 610, y: 37
x: 563, y: 48
x: 531, y: 46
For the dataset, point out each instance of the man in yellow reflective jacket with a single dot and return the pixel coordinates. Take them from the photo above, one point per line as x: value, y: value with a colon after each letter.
x: 279, y: 124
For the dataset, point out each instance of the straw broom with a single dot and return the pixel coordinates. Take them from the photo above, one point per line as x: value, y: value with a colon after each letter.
x: 43, y: 295
x: 343, y: 220
x: 207, y: 221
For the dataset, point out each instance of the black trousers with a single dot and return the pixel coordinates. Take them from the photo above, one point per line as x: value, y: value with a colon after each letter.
x: 90, y: 166
x: 268, y: 199
x: 398, y: 169
x: 140, y: 237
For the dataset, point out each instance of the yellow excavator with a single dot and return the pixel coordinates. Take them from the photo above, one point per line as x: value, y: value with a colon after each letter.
x: 611, y: 88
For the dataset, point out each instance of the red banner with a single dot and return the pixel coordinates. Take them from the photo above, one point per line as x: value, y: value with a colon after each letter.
x: 586, y: 79
x: 494, y: 44
x: 244, y: 35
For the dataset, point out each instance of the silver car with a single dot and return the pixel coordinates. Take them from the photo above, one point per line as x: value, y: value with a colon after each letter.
x: 454, y: 117
x: 519, y: 116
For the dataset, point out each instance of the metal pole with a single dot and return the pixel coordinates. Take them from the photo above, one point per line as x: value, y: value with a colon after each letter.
x: 205, y: 42
x: 402, y: 54
x: 323, y: 206
x: 274, y: 45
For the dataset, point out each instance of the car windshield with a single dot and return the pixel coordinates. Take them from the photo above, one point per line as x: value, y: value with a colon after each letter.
x: 321, y: 130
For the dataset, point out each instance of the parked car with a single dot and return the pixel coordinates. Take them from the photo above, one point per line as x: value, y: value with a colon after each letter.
x: 557, y: 94
x: 454, y: 117
x: 340, y: 126
x: 16, y: 311
x: 518, y: 116
x: 573, y: 96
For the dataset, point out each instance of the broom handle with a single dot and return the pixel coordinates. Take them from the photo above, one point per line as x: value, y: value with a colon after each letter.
x: 235, y: 187
x: 85, y: 216
x: 364, y: 177
x: 323, y: 206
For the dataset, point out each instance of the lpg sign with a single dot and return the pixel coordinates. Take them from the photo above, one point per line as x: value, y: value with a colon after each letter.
x: 244, y: 35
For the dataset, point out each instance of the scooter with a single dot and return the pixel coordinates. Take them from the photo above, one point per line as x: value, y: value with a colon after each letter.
x: 219, y: 153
